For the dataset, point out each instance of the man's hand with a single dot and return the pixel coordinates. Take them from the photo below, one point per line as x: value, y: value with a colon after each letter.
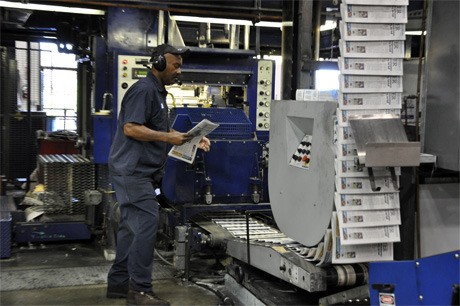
x: 143, y: 133
x: 204, y: 144
x: 178, y: 138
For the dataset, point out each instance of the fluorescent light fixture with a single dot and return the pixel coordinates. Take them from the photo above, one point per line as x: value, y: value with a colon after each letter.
x: 225, y: 21
x: 51, y: 8
x: 414, y: 33
x: 268, y: 24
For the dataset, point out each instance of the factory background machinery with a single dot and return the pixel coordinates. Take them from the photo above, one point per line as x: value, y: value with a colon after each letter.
x: 239, y: 201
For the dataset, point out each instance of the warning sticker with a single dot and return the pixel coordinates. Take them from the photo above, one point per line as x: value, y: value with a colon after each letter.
x: 387, y: 299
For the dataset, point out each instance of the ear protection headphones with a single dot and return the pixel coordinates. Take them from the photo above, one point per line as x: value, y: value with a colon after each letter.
x: 158, y: 62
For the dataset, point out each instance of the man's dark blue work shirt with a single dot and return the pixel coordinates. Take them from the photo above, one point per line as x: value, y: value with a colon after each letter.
x: 144, y: 103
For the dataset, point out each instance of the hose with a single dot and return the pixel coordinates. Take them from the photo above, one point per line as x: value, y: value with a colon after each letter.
x: 163, y: 259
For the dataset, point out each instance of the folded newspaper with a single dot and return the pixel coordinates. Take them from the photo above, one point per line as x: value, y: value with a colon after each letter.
x: 187, y: 151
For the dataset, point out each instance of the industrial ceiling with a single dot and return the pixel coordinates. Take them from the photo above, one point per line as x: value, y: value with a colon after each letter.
x: 35, y: 25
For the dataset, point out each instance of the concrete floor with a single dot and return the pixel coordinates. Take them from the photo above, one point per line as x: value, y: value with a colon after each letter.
x: 75, y: 274
x: 169, y: 289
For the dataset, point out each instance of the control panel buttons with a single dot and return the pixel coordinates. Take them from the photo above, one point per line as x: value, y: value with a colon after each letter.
x: 264, y: 94
x: 302, y: 155
x: 124, y: 85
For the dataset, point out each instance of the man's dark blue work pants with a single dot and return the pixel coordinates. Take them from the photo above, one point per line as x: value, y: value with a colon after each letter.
x: 136, y: 234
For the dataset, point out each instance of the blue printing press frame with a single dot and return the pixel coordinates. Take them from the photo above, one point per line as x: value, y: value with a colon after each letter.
x: 431, y: 280
x: 232, y: 168
x: 233, y: 123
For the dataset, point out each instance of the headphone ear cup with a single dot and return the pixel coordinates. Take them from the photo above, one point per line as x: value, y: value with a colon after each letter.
x: 159, y: 62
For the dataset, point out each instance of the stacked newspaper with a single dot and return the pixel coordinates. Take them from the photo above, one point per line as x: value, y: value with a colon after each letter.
x: 366, y: 223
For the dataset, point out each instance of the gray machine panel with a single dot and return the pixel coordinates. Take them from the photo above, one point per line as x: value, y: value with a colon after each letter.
x: 442, y: 121
x: 302, y: 198
x: 381, y: 141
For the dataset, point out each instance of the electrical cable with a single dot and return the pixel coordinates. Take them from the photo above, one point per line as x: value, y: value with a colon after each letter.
x: 163, y: 259
x: 219, y: 294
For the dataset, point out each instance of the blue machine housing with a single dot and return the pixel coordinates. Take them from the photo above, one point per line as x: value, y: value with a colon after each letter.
x: 232, y: 172
x: 426, y: 281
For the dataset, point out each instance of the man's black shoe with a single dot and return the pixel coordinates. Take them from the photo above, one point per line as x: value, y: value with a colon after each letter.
x: 135, y: 298
x: 117, y: 292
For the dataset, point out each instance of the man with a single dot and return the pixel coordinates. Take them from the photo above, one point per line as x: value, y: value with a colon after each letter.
x: 136, y: 164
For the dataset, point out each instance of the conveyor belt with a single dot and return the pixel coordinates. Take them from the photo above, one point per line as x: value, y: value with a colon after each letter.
x: 236, y: 224
x: 283, y: 254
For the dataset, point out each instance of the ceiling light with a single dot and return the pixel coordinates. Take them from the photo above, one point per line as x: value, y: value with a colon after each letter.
x: 268, y: 24
x: 51, y: 8
x: 414, y: 33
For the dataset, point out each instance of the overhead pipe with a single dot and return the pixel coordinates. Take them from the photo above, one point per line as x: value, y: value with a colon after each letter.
x: 161, y: 28
x: 317, y: 30
x: 305, y: 46
x: 234, y: 36
x: 208, y: 32
x: 247, y: 31
x: 288, y: 49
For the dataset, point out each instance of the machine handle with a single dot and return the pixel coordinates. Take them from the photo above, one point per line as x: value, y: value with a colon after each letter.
x: 385, y: 288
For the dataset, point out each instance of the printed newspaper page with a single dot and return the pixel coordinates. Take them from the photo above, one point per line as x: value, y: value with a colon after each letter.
x: 187, y: 151
x: 366, y: 201
x: 345, y: 254
x: 367, y: 218
x: 368, y: 235
x: 326, y: 256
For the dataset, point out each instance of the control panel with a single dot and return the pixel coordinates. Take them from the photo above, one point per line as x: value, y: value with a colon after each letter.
x: 264, y: 94
x: 130, y: 69
x: 302, y: 155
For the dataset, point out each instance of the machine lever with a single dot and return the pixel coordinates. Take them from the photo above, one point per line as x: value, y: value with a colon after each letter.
x: 372, y: 179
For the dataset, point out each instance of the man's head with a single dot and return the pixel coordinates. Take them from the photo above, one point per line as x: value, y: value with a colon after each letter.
x: 166, y: 62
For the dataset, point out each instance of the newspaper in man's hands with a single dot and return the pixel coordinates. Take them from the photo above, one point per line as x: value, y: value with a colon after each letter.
x: 187, y: 151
